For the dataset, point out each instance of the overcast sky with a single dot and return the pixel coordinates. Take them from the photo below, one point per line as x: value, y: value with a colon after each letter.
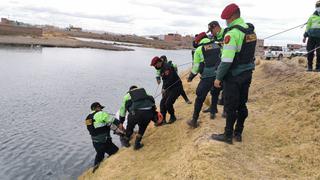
x: 146, y: 17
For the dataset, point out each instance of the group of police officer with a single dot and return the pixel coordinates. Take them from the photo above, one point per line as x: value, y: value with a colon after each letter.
x: 226, y: 58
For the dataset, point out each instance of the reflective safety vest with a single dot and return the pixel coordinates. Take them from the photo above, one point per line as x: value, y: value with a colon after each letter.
x: 313, y: 26
x: 98, y: 123
x: 140, y: 100
x: 247, y: 53
x: 211, y: 54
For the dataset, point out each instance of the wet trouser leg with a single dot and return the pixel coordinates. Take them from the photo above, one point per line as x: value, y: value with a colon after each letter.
x: 203, y: 88
x: 215, y: 92
x: 102, y: 148
x: 236, y: 96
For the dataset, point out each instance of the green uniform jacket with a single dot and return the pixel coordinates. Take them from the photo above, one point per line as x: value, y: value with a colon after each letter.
x: 219, y: 37
x: 313, y: 26
x: 231, y: 46
x: 199, y: 58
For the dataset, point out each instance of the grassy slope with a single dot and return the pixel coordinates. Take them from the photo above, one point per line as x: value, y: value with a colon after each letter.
x: 281, y: 137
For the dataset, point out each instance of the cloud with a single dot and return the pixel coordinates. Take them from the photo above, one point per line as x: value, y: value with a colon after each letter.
x: 55, y: 12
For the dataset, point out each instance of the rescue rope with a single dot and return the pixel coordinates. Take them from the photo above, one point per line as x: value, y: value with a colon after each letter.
x: 171, y: 85
x: 184, y: 64
x: 301, y: 25
x: 156, y: 90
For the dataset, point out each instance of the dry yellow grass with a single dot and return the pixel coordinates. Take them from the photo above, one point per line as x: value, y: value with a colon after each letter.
x: 281, y: 137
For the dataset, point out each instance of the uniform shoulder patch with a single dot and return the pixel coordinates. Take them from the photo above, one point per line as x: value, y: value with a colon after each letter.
x: 251, y: 38
x: 227, y: 39
x: 88, y: 122
x: 208, y: 47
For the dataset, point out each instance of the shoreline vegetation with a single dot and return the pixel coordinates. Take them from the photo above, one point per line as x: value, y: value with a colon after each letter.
x: 281, y: 139
x: 61, y: 38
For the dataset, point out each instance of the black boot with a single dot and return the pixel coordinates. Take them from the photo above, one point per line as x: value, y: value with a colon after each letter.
x: 193, y: 123
x: 309, y: 69
x: 224, y: 114
x: 222, y: 138
x: 212, y: 116
x: 172, y: 119
x: 238, y: 137
x: 95, y: 167
x: 137, y: 144
x: 220, y: 102
x: 207, y: 110
x: 238, y: 134
x: 124, y: 141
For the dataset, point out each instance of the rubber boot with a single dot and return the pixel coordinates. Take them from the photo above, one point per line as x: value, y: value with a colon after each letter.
x: 137, y: 144
x: 124, y: 141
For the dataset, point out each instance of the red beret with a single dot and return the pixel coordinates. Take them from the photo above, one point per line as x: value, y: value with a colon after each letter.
x: 200, y: 37
x: 155, y: 60
x: 229, y: 11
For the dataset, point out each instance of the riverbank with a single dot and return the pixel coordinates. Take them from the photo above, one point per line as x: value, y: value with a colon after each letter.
x: 281, y: 137
x: 121, y: 38
x: 52, y: 41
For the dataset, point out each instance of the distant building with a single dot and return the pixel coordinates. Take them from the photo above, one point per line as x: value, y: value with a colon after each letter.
x: 171, y: 37
x: 6, y: 21
x: 74, y: 29
x: 294, y: 46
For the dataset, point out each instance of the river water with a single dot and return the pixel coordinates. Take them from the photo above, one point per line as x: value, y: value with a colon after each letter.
x: 45, y: 97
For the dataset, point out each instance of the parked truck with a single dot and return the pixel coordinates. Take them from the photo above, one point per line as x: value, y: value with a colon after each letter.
x: 277, y: 52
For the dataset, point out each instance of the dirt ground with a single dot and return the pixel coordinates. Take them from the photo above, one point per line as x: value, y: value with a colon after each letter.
x: 280, y: 140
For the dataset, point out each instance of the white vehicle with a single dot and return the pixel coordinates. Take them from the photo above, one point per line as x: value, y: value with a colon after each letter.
x: 300, y: 52
x: 277, y: 52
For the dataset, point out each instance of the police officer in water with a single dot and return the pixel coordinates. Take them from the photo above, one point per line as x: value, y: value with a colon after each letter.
x: 235, y: 70
x: 99, y: 124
